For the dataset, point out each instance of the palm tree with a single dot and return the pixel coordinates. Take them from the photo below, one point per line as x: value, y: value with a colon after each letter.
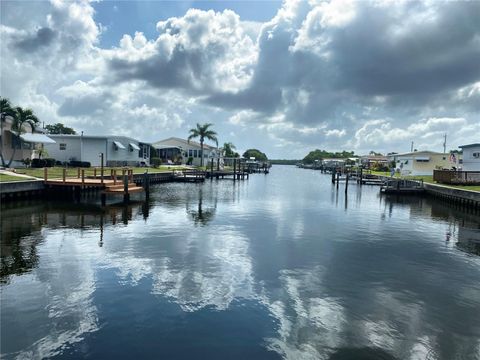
x: 203, y: 132
x: 21, y: 118
x: 228, y: 147
x: 6, y: 109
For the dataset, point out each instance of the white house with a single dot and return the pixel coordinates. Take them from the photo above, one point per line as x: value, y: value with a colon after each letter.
x: 179, y: 150
x: 471, y: 157
x: 20, y: 145
x: 117, y: 150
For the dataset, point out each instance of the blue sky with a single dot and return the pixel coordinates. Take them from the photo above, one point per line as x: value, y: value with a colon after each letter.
x: 122, y: 17
x: 285, y: 77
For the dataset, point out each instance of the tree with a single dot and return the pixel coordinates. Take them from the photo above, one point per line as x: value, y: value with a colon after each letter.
x: 257, y: 154
x: 59, y: 128
x: 323, y: 154
x: 22, y: 118
x: 6, y: 109
x: 203, y: 132
x: 228, y: 148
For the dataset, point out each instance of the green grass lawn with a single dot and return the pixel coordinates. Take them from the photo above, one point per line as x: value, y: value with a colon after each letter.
x: 57, y: 172
x: 9, y: 178
x: 428, y: 179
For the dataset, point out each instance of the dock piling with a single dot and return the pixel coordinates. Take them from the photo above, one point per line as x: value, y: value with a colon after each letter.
x: 126, y: 196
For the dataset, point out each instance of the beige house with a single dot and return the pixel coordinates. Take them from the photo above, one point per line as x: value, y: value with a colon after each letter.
x: 423, y: 162
x: 22, y: 146
x: 177, y: 150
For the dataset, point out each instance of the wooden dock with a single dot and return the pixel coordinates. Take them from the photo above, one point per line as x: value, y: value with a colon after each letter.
x: 400, y: 186
x: 112, y: 186
x: 189, y: 176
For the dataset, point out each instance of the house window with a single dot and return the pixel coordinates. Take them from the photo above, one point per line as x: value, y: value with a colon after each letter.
x: 444, y: 158
x: 195, y: 153
x: 190, y: 153
x: 63, y: 146
x: 476, y: 155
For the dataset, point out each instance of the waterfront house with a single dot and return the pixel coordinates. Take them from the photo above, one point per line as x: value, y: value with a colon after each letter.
x: 374, y: 161
x: 117, y: 150
x: 21, y: 145
x: 471, y: 157
x: 422, y: 162
x: 177, y: 150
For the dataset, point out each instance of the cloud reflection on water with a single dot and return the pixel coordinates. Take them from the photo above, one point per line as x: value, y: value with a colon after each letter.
x: 320, y: 306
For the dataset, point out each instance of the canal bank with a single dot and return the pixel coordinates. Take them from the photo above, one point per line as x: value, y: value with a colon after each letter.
x: 36, y: 188
x: 467, y: 198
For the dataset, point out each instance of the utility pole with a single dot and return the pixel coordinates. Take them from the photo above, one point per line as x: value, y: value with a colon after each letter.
x: 445, y: 143
x: 411, y: 147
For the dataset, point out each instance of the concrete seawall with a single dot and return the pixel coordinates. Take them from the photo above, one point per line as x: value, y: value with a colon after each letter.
x: 464, y: 197
x: 10, y: 190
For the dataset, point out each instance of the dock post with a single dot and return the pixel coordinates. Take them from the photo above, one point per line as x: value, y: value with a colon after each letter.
x: 83, y: 178
x: 64, y: 175
x: 45, y: 173
x: 218, y: 164
x: 126, y: 196
x: 101, y: 168
x: 333, y: 176
x: 234, y: 169
x: 94, y: 172
x: 338, y: 179
x: 361, y: 176
x: 146, y: 183
x: 346, y: 183
x: 211, y: 170
x: 114, y: 175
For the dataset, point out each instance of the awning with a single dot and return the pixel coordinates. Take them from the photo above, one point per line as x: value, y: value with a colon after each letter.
x: 119, y: 145
x: 134, y: 146
x: 422, y: 158
x: 37, y: 138
x: 160, y: 147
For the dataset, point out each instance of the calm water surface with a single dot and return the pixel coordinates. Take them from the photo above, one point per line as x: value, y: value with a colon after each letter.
x: 280, y: 266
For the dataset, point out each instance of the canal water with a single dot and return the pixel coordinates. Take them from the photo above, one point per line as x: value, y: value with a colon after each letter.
x: 282, y: 266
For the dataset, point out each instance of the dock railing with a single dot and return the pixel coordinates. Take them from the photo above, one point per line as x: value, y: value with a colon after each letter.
x: 456, y: 177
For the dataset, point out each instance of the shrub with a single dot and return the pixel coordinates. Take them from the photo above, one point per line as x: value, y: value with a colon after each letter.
x: 38, y: 163
x: 76, y: 163
x: 49, y: 162
x: 155, y: 161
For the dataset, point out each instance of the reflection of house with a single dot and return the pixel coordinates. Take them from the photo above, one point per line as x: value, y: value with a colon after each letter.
x: 469, y: 240
x: 179, y: 149
x: 421, y: 162
x: 471, y: 157
x: 22, y: 144
x: 117, y: 150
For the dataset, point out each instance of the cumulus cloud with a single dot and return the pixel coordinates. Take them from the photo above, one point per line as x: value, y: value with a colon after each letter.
x: 201, y: 51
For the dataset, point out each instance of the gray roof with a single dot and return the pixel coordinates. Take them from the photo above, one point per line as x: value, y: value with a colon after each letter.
x: 106, y: 137
x: 469, y: 145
